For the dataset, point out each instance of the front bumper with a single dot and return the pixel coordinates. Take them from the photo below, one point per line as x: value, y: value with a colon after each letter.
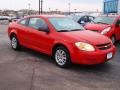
x: 91, y: 58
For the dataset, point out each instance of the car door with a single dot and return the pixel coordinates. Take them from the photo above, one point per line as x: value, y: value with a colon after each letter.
x: 38, y: 39
x: 117, y: 30
x: 22, y: 31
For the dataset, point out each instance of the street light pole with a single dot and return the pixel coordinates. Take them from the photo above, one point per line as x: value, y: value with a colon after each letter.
x: 49, y: 10
x: 69, y: 5
x: 56, y: 11
x: 75, y: 10
x: 29, y: 8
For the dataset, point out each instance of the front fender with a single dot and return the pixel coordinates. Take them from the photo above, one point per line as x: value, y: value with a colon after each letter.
x: 68, y: 45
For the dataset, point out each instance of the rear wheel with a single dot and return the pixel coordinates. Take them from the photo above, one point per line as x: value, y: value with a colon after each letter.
x: 62, y: 57
x: 15, y: 43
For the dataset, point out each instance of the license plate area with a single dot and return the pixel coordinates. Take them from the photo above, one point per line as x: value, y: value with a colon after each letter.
x: 109, y: 55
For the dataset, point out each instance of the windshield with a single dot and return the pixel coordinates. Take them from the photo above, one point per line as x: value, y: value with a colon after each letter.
x: 76, y: 18
x: 65, y: 24
x: 104, y: 20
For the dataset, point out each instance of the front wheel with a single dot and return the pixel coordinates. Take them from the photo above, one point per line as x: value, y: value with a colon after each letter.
x: 62, y: 57
x: 113, y: 39
x: 14, y: 43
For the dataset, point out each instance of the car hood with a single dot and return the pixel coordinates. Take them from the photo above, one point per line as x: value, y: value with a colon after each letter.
x: 96, y: 27
x: 86, y: 36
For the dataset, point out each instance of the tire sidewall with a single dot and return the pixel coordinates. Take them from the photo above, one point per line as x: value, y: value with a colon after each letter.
x: 113, y: 39
x: 18, y: 46
x: 68, y: 60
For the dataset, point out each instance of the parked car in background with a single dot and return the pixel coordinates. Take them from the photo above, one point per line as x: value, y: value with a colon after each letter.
x: 83, y: 19
x: 4, y: 19
x: 106, y: 25
x: 15, y: 18
x: 62, y: 38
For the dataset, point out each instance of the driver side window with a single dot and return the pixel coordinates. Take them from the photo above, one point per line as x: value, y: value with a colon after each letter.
x: 36, y: 23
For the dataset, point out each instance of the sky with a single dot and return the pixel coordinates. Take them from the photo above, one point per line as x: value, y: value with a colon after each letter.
x: 62, y: 5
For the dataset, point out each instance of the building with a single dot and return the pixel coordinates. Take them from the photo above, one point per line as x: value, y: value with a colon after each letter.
x: 1, y: 12
x: 111, y: 6
x: 9, y: 12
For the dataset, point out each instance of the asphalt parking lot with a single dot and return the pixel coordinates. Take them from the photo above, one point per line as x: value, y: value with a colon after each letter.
x: 30, y: 70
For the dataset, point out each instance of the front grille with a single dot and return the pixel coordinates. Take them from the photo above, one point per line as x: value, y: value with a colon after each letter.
x: 104, y: 46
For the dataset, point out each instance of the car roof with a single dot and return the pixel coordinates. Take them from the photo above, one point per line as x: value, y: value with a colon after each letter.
x: 47, y: 16
x: 77, y: 17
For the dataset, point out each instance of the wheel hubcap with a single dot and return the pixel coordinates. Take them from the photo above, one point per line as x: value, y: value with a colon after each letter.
x: 60, y: 57
x: 14, y: 42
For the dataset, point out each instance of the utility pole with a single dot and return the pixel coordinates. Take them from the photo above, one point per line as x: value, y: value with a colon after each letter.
x: 39, y: 6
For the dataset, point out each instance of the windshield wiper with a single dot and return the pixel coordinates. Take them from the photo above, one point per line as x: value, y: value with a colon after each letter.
x: 70, y: 30
x: 102, y: 23
x: 63, y: 31
x: 76, y: 29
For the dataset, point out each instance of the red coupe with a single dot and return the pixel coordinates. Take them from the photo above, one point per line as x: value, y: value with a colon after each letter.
x: 62, y: 38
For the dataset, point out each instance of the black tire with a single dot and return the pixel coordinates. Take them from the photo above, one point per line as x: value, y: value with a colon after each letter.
x: 113, y: 39
x: 67, y: 61
x: 15, y: 43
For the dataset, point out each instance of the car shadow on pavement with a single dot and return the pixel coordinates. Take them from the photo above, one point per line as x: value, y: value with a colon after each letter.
x: 37, y: 55
x: 40, y: 57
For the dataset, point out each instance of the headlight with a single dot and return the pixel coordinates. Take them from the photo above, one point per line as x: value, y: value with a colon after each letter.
x: 106, y: 30
x: 84, y: 46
